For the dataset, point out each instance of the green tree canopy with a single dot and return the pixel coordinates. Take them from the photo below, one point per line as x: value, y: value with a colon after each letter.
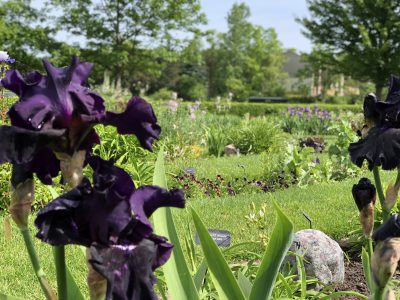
x: 361, y: 36
x: 121, y: 35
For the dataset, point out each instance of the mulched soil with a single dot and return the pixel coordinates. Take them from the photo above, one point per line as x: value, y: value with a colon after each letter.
x: 353, y: 280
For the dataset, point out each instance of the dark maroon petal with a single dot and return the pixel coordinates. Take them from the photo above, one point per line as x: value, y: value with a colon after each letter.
x: 44, y: 171
x: 146, y: 199
x: 164, y: 250
x: 53, y: 101
x: 82, y: 72
x: 381, y: 147
x: 138, y: 119
x: 19, y: 175
x: 364, y: 193
x: 19, y: 146
x: 57, y: 222
x: 127, y: 268
x: 14, y: 82
x: 394, y: 89
x: 107, y: 176
x: 389, y: 229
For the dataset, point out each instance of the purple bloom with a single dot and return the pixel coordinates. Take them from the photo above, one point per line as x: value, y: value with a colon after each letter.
x: 111, y: 217
x: 61, y: 102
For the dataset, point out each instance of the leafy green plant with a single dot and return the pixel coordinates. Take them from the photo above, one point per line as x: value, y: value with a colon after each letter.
x: 338, y: 151
x: 304, y: 167
x: 216, y: 140
x: 257, y: 135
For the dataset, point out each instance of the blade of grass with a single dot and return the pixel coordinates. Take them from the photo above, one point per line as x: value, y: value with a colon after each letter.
x: 302, y: 275
x: 177, y: 275
x: 222, y: 276
x: 279, y: 244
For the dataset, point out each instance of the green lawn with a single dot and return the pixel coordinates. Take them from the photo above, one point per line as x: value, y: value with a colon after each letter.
x: 329, y: 205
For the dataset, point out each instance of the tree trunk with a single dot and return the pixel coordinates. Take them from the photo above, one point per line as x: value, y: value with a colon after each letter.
x: 378, y: 90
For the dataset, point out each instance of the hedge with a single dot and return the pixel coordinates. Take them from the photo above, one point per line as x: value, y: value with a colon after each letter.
x: 261, y: 109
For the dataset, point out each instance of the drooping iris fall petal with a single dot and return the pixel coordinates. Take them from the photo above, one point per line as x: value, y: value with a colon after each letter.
x: 138, y: 119
x: 381, y: 147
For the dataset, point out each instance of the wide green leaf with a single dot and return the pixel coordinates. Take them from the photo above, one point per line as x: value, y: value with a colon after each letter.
x: 366, y: 262
x: 222, y: 276
x: 177, y: 275
x: 279, y: 244
x: 200, y: 274
x: 244, y: 284
x: 73, y: 290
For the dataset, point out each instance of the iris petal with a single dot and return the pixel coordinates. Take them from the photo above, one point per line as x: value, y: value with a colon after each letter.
x: 381, y: 147
x: 19, y: 146
x: 128, y: 270
x: 138, y: 119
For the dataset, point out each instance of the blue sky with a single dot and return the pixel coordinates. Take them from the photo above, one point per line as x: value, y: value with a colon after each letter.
x: 279, y: 14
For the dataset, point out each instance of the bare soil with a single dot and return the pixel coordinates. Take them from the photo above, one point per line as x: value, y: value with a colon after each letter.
x: 353, y: 280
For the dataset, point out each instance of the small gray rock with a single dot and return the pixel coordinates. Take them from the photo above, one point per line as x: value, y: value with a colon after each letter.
x: 323, y: 257
x: 230, y: 150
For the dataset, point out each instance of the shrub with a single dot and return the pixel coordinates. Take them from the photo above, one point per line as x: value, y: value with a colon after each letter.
x: 256, y: 135
x: 262, y: 109
x: 162, y: 94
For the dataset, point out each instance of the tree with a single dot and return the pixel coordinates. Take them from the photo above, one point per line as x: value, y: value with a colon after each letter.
x: 361, y: 36
x: 26, y: 34
x: 117, y: 32
x: 254, y: 57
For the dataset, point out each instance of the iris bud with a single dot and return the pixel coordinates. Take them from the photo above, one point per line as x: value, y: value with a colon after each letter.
x: 364, y: 194
x: 71, y: 167
x: 384, y: 261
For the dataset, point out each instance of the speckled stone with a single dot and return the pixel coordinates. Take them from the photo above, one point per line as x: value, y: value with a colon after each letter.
x: 323, y: 257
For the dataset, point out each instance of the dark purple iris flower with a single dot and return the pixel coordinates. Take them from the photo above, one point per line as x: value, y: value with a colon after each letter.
x: 111, y: 217
x: 381, y: 145
x: 57, y: 113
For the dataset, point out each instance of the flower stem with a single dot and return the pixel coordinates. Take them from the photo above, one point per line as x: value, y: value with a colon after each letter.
x: 370, y: 248
x: 379, y: 293
x: 61, y: 273
x: 381, y: 196
x: 44, y: 284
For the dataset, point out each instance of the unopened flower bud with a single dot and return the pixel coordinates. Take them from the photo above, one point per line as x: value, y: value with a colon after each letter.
x: 371, y: 115
x: 384, y: 261
x: 392, y: 192
x: 22, y: 194
x: 364, y: 194
x: 71, y: 167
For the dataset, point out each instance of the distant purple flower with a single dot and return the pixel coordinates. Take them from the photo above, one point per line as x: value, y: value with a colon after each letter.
x: 112, y: 218
x: 316, y: 161
x: 57, y: 113
x: 172, y: 105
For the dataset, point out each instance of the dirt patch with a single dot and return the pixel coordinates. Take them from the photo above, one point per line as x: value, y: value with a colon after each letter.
x: 353, y: 280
